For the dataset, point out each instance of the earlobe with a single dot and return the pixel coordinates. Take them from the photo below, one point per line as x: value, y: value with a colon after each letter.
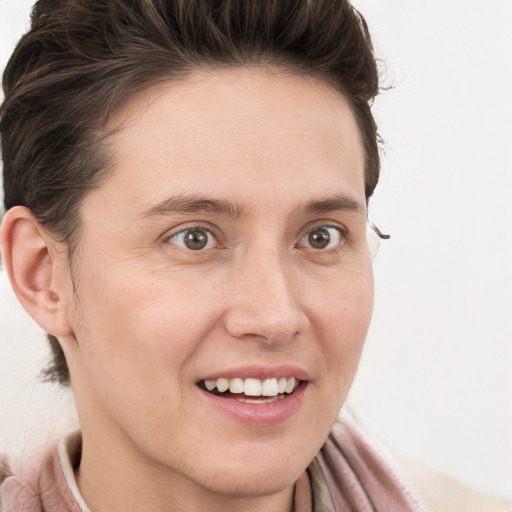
x: 31, y: 261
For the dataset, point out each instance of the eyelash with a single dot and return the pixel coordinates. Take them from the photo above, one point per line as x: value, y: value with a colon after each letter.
x: 303, y: 240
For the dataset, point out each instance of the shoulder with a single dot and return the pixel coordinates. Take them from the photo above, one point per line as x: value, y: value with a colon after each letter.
x: 440, y: 492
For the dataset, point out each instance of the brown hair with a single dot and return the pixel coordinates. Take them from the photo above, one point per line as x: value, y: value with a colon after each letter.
x: 82, y: 58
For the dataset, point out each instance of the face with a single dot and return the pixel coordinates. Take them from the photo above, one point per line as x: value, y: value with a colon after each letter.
x: 227, y: 248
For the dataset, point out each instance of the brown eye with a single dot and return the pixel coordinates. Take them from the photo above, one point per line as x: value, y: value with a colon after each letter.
x: 323, y: 237
x: 193, y: 239
x: 319, y: 238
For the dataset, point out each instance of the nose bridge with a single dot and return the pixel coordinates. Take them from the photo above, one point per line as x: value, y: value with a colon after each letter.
x: 264, y: 302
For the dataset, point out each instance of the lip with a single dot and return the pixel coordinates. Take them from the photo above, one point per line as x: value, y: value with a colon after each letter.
x: 256, y: 415
x: 259, y: 372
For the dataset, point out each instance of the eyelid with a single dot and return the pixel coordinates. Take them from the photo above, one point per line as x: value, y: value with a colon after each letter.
x: 322, y: 224
x: 189, y: 225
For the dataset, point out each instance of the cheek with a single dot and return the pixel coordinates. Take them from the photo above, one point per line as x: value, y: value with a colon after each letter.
x: 139, y: 338
x: 340, y: 317
x: 139, y: 327
x: 342, y: 321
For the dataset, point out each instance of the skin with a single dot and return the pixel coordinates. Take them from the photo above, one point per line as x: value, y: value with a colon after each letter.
x: 152, y: 317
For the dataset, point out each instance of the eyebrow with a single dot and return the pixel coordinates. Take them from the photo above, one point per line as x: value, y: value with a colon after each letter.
x: 199, y: 204
x: 333, y: 204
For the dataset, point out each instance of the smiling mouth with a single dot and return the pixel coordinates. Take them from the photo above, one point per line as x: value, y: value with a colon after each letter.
x: 253, y: 391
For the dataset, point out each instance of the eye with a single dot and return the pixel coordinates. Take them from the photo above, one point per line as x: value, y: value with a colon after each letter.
x: 322, y: 237
x: 194, y: 239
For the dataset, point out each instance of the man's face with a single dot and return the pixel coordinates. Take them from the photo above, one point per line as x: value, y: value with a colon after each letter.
x: 227, y: 246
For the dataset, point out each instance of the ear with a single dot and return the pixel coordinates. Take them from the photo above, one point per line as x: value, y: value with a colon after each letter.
x: 37, y: 269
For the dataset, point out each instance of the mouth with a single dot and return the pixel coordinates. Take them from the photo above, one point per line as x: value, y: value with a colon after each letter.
x: 251, y: 390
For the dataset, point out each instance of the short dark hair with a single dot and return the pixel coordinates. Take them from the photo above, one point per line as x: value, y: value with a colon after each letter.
x: 81, y: 59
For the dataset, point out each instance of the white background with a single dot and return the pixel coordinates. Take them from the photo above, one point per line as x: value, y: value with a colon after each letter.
x: 436, y: 377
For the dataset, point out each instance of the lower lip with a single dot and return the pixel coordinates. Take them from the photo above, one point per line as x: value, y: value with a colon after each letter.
x: 258, y: 415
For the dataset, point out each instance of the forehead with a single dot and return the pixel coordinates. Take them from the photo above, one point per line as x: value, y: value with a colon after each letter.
x: 243, y: 132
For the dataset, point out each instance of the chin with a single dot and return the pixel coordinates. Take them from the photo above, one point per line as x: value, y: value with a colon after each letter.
x: 255, y: 473
x: 251, y: 483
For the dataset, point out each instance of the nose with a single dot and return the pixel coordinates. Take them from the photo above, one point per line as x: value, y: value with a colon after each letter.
x: 264, y: 301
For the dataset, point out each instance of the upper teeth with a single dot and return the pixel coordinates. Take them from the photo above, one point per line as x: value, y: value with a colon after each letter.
x: 253, y: 387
